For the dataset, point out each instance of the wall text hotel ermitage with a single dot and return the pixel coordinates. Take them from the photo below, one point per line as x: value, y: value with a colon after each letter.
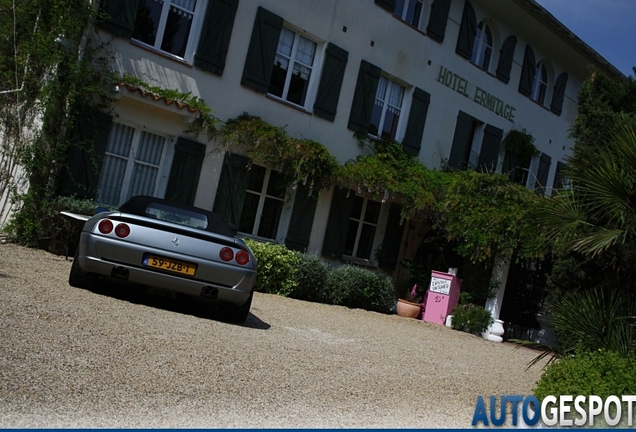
x: 475, y: 93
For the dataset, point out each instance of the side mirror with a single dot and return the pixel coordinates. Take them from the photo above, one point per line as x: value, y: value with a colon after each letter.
x: 101, y: 210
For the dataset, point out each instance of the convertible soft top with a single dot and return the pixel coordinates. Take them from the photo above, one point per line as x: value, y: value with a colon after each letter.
x: 143, y: 205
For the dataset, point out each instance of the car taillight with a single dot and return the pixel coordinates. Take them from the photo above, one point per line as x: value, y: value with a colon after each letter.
x: 242, y: 257
x: 105, y: 226
x: 122, y: 230
x: 226, y: 254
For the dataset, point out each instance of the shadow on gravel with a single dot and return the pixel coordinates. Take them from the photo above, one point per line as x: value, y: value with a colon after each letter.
x: 180, y: 304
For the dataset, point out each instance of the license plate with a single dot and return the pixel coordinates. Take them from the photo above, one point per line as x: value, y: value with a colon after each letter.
x: 170, y: 265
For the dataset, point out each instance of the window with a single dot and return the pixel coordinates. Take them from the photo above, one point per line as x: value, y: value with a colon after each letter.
x: 482, y: 47
x: 363, y: 224
x: 410, y: 11
x: 165, y: 24
x: 263, y: 203
x: 476, y: 145
x: 540, y: 84
x: 177, y: 215
x: 131, y: 164
x: 292, y: 67
x: 386, y: 110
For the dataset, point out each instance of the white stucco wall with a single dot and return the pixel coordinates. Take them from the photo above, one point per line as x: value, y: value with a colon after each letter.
x: 374, y: 35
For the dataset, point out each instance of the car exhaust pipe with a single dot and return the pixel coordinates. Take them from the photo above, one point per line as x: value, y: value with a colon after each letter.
x: 209, y: 291
x: 120, y: 272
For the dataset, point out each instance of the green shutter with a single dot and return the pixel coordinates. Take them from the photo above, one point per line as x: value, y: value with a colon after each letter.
x: 392, y: 238
x: 559, y: 93
x: 338, y: 223
x: 331, y: 82
x: 85, y: 157
x: 467, y: 32
x: 490, y: 149
x: 262, y: 50
x: 364, y: 97
x: 302, y: 219
x: 185, y: 171
x: 230, y: 193
x: 215, y: 35
x: 527, y: 72
x: 121, y: 16
x: 511, y: 165
x: 460, y: 152
x: 437, y: 22
x: 417, y: 118
x: 506, y: 55
x: 559, y: 176
x: 386, y: 4
x: 542, y: 174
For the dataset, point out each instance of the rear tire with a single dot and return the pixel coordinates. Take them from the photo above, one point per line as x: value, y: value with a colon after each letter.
x: 236, y: 314
x: 77, y: 278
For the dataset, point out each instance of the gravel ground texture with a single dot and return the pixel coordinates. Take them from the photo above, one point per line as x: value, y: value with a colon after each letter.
x: 112, y: 357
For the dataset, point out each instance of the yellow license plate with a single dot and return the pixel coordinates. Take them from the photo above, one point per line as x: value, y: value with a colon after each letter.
x: 171, y: 265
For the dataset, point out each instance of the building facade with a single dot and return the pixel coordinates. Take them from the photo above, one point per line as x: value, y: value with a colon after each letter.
x: 447, y: 78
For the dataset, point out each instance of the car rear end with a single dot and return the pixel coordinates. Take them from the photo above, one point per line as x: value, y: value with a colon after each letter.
x: 160, y: 254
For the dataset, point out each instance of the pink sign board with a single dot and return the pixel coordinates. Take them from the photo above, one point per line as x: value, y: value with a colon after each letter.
x: 442, y: 297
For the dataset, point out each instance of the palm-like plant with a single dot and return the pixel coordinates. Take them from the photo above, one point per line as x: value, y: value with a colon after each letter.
x: 599, y: 210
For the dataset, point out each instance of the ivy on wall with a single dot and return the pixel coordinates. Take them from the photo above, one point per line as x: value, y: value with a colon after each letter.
x: 301, y: 161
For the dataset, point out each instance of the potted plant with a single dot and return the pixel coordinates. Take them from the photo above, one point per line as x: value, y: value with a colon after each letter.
x: 411, y: 305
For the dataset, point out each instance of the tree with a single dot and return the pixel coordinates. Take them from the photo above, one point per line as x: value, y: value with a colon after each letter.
x: 50, y: 72
x: 592, y: 224
x: 599, y: 211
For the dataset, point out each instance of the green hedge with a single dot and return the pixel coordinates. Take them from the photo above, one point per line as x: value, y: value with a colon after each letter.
x: 601, y: 373
x: 40, y: 224
x: 307, y: 277
x: 277, y: 268
x: 353, y: 286
x: 311, y: 276
x: 471, y: 318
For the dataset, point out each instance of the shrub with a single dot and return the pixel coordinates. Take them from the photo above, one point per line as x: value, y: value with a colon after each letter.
x: 596, y: 319
x: 470, y: 318
x: 41, y: 224
x: 311, y: 276
x: 601, y: 373
x: 353, y: 286
x: 277, y: 268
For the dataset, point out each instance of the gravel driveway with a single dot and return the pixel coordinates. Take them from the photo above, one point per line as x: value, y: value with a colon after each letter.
x: 108, y: 358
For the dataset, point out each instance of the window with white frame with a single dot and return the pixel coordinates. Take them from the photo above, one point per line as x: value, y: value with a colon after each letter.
x: 263, y: 203
x: 363, y: 224
x: 482, y: 47
x: 411, y: 12
x: 293, y: 67
x: 131, y: 164
x: 386, y: 109
x: 165, y: 24
x: 540, y: 84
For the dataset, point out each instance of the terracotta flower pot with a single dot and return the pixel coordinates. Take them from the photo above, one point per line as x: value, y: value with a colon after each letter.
x: 408, y: 309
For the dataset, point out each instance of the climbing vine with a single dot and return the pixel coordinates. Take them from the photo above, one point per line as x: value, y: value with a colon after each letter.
x: 50, y: 73
x: 482, y: 213
x: 300, y: 161
x: 204, y: 122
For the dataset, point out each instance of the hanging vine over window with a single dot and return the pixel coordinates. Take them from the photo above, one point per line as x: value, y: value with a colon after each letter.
x: 389, y: 172
x: 520, y: 143
x: 205, y: 121
x: 483, y: 213
x: 301, y: 161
